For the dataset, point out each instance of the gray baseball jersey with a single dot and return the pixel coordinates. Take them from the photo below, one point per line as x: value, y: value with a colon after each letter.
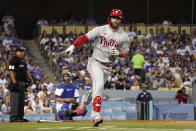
x: 104, y: 38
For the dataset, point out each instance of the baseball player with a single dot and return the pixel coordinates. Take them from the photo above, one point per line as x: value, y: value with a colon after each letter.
x: 67, y: 98
x: 110, y: 42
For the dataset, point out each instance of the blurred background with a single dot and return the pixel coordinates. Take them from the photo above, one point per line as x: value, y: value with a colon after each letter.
x: 27, y: 13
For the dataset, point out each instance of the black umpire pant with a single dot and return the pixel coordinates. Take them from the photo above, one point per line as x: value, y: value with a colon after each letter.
x: 17, y: 102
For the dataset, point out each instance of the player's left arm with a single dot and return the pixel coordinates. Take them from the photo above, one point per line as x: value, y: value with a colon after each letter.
x: 125, y: 47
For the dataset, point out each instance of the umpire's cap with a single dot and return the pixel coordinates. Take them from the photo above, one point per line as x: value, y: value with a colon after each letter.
x: 19, y: 49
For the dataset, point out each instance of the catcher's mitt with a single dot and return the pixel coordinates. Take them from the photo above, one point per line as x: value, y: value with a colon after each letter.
x: 74, y: 105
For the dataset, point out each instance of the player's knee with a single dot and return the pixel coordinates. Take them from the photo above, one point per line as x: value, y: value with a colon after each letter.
x: 64, y: 110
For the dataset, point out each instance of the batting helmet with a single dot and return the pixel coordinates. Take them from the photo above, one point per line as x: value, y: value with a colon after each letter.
x: 115, y: 12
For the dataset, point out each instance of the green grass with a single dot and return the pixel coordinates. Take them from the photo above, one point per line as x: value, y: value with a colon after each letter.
x: 106, y: 126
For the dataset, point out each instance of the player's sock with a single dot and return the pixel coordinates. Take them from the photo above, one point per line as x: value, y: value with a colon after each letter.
x: 97, y: 104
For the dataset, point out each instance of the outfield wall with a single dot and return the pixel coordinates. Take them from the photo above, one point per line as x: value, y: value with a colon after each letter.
x: 124, y: 110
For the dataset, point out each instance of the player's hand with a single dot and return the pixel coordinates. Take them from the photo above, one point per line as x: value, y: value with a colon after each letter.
x: 69, y: 50
x: 114, y: 51
x: 68, y: 100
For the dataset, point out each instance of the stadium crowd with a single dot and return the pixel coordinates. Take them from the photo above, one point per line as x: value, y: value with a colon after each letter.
x: 39, y: 96
x: 169, y: 60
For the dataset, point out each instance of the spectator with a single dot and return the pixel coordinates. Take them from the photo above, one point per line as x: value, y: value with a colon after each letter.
x: 135, y: 83
x: 186, y: 82
x: 3, y: 108
x: 37, y: 72
x: 52, y: 102
x: 181, y: 96
x: 138, y: 62
x: 42, y: 21
x: 7, y: 103
x: 158, y: 82
x: 131, y: 33
x: 36, y: 104
x: 7, y: 42
x: 167, y: 22
x: 46, y: 108
x: 49, y: 85
x: 29, y: 93
x: 28, y: 109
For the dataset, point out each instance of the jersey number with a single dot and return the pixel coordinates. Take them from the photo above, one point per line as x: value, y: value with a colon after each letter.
x: 11, y: 67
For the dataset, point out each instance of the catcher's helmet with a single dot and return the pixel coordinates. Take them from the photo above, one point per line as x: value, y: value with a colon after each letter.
x: 68, y: 74
x: 115, y: 12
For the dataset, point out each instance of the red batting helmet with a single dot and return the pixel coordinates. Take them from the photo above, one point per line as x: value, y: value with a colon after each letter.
x: 115, y: 12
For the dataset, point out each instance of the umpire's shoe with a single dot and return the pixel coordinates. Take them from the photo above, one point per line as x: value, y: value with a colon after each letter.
x: 97, y: 121
x: 24, y: 120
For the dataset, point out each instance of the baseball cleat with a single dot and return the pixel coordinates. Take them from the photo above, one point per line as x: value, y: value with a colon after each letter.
x: 97, y: 121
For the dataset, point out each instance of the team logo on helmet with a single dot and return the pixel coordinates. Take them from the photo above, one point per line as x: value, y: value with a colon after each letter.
x: 115, y: 12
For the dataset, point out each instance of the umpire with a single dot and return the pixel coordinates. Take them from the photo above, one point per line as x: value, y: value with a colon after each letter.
x: 143, y: 99
x: 19, y: 75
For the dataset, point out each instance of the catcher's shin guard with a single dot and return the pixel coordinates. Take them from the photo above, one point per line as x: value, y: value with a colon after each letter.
x: 97, y: 104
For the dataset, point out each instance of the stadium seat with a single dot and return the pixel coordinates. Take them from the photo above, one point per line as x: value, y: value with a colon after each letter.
x: 48, y: 29
x: 70, y: 29
x: 187, y: 28
x: 142, y: 28
x: 122, y: 27
x: 91, y: 27
x: 161, y: 26
x: 154, y: 27
x: 163, y: 89
x: 59, y: 29
x: 80, y: 29
x: 126, y: 28
x: 174, y: 28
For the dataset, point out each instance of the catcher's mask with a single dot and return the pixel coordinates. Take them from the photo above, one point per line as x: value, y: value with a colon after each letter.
x: 67, y: 77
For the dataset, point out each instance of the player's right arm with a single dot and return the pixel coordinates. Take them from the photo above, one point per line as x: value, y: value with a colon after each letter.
x: 58, y: 93
x: 82, y: 39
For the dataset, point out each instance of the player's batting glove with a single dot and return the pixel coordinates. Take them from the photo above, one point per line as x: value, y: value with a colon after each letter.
x: 69, y: 50
x: 114, y: 51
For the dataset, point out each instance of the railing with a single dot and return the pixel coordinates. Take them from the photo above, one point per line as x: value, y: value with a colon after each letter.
x: 144, y: 28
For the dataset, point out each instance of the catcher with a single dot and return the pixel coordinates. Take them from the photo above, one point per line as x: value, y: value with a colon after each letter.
x: 66, y: 95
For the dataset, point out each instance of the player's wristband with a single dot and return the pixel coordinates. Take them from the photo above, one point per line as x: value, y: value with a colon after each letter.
x: 80, y: 40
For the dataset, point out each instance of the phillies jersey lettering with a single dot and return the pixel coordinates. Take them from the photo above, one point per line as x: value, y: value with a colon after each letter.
x: 112, y: 42
x: 104, y: 39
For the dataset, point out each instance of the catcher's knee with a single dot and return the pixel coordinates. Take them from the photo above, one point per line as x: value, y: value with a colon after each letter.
x: 64, y: 110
